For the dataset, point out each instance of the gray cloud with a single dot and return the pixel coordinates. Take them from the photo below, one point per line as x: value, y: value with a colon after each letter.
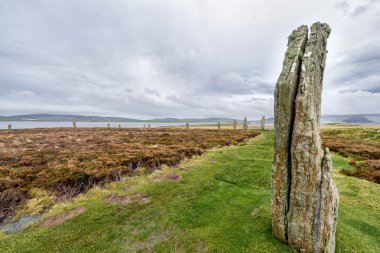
x: 173, y: 58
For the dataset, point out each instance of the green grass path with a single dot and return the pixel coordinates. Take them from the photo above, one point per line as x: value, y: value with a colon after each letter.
x: 221, y: 204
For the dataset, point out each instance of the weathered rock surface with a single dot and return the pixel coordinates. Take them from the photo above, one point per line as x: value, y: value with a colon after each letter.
x: 262, y: 123
x: 304, y: 197
x: 284, y: 95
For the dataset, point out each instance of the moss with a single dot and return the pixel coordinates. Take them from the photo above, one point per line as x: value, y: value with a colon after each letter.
x: 39, y: 201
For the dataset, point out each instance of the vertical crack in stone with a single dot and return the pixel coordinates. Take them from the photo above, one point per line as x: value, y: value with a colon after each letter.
x: 285, y: 92
x: 290, y: 137
x: 304, y: 196
x: 318, y: 210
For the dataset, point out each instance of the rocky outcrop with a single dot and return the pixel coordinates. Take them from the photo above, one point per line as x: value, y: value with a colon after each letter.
x: 304, y: 197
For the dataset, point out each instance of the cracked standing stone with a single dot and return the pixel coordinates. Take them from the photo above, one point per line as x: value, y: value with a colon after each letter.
x: 304, y: 196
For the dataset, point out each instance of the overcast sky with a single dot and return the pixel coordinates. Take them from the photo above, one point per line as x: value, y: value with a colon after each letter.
x: 171, y: 58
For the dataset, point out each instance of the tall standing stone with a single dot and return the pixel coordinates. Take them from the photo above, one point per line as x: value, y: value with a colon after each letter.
x: 9, y: 126
x: 234, y: 124
x: 218, y: 125
x: 245, y: 124
x: 284, y: 96
x: 74, y: 124
x: 262, y: 123
x: 304, y: 196
x: 187, y: 125
x: 108, y: 125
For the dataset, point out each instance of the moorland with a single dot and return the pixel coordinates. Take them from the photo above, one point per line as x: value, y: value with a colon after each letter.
x: 216, y: 201
x: 64, y: 162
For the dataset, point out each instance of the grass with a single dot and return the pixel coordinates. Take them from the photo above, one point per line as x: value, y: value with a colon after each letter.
x: 67, y: 161
x: 221, y: 204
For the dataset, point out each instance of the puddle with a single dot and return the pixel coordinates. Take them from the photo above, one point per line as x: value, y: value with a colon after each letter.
x: 10, y: 227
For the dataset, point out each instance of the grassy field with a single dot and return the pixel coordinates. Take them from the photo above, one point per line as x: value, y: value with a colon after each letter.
x: 67, y: 161
x: 219, y: 202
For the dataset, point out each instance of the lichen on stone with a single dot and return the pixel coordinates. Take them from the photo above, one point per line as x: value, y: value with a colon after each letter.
x: 304, y: 196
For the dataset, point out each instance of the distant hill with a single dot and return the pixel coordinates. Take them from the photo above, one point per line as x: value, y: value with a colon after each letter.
x: 352, y: 118
x: 325, y: 119
x: 357, y: 119
x: 55, y: 117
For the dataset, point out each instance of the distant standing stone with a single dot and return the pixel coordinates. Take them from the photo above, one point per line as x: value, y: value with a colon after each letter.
x: 148, y: 125
x: 245, y: 124
x: 219, y: 126
x: 187, y: 125
x: 74, y: 124
x: 108, y: 125
x: 304, y: 196
x: 234, y: 124
x: 119, y: 126
x: 262, y: 122
x: 9, y: 126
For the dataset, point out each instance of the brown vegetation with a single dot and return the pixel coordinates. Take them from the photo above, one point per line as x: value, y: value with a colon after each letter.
x: 364, y: 152
x: 360, y: 149
x: 69, y: 161
x: 368, y: 169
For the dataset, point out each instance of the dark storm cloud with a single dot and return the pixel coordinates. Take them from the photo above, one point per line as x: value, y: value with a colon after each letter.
x: 168, y: 58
